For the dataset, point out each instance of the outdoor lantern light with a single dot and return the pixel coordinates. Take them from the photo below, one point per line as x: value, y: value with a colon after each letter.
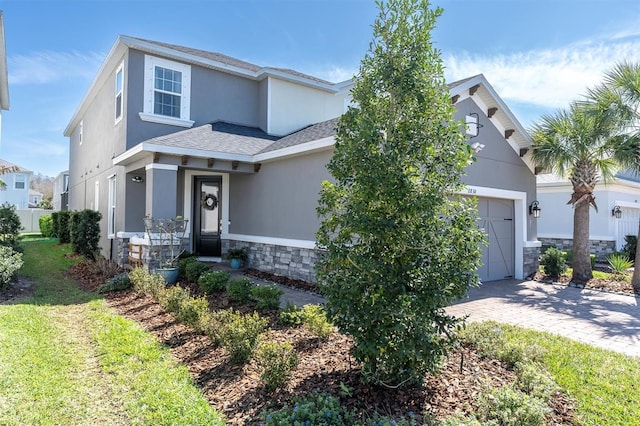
x: 534, y: 209
x: 137, y: 179
x: 472, y: 121
x: 617, y: 212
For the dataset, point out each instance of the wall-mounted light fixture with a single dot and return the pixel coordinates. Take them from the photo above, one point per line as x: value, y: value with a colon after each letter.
x: 472, y: 121
x: 137, y: 179
x: 534, y: 209
x: 617, y: 212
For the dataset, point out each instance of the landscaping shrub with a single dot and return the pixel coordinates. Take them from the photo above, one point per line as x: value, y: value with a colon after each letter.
x: 104, y: 267
x: 172, y: 299
x: 10, y: 226
x: 533, y: 380
x: 55, y: 224
x: 291, y: 315
x: 490, y: 341
x: 619, y: 262
x: 510, y: 407
x: 553, y: 261
x: 213, y: 282
x: 239, y: 289
x: 315, y: 320
x: 194, y: 312
x: 239, y: 335
x: 193, y: 270
x: 212, y: 328
x: 85, y: 233
x: 267, y: 296
x: 312, y: 410
x: 568, y: 257
x: 277, y: 361
x: 183, y: 262
x: 146, y: 283
x: 64, y: 226
x: 10, y: 263
x: 46, y: 225
x: 117, y: 283
x: 630, y: 243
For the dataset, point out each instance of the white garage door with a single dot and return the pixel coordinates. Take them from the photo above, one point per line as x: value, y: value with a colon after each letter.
x: 626, y: 225
x: 496, y: 219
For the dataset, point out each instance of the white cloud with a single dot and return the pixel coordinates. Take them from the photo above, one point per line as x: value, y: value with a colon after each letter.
x: 335, y: 74
x: 50, y: 66
x: 549, y: 78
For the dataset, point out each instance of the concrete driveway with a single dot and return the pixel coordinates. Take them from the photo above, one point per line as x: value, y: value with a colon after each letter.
x: 610, y: 321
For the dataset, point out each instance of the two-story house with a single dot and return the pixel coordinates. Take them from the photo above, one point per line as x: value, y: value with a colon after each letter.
x: 16, y: 185
x: 60, y: 199
x: 240, y: 150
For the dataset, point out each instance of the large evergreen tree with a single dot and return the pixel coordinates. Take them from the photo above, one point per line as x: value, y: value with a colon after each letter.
x: 400, y: 245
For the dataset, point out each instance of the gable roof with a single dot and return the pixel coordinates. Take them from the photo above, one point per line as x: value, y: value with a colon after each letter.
x: 7, y: 164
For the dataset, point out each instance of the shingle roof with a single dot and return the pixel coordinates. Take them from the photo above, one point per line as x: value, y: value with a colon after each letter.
x: 7, y: 164
x: 218, y: 137
x: 314, y: 132
x: 459, y: 82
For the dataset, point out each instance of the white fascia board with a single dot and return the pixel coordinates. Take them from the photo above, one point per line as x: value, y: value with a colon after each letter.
x: 303, y: 148
x: 286, y: 242
x: 116, y: 51
x: 172, y: 150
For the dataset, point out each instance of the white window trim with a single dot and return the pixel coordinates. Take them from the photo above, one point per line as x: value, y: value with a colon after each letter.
x: 121, y: 93
x: 147, y: 114
x: 81, y: 131
x: 96, y: 197
x: 111, y: 213
x: 15, y: 181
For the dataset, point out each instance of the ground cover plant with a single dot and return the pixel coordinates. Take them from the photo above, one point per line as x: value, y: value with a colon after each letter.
x: 66, y: 358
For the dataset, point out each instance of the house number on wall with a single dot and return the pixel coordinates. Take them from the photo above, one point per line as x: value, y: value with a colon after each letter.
x: 471, y: 191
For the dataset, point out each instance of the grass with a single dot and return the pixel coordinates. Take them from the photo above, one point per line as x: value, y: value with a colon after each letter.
x: 66, y: 358
x: 604, y: 383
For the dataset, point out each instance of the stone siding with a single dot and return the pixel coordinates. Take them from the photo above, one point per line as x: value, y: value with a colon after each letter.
x: 292, y: 262
x: 601, y: 248
x: 531, y: 261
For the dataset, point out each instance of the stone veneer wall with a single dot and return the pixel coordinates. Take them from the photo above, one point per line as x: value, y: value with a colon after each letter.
x: 531, y: 260
x: 148, y: 262
x: 292, y: 262
x: 601, y: 248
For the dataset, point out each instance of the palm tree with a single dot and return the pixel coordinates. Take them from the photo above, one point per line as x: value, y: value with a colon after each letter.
x: 617, y: 100
x: 576, y: 143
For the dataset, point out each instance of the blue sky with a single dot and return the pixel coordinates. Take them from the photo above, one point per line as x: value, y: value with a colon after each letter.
x: 538, y: 54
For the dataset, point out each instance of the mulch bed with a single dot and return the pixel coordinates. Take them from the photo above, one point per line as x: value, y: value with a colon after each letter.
x: 324, y: 366
x: 612, y: 286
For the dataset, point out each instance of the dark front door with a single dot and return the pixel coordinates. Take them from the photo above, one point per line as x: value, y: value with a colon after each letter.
x: 207, y: 215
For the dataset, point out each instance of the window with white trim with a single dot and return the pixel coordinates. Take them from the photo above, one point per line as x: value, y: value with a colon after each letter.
x: 96, y: 196
x: 167, y: 92
x: 119, y: 91
x: 80, y: 131
x: 111, y: 214
x: 20, y: 181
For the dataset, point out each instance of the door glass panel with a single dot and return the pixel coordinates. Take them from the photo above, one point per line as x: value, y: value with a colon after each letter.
x: 209, y: 223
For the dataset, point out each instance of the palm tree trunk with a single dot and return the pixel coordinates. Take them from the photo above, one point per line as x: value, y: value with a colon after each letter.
x: 581, y: 256
x: 635, y: 281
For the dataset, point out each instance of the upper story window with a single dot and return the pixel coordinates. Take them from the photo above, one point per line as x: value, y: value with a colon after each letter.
x: 20, y: 182
x: 167, y: 92
x: 119, y: 90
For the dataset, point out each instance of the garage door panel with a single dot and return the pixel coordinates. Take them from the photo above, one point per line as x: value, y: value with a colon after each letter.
x: 496, y: 220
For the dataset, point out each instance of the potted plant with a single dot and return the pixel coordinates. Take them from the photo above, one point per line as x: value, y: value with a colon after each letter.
x: 165, y: 244
x: 236, y: 257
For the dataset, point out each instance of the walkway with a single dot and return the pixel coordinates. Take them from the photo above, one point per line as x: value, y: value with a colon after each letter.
x: 597, y: 318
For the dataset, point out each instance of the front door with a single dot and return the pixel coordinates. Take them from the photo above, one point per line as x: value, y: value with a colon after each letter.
x: 207, y: 215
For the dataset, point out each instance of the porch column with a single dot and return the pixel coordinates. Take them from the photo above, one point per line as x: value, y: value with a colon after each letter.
x: 161, y: 190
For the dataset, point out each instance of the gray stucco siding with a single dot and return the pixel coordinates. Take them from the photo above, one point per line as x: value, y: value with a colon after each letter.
x: 214, y: 96
x: 280, y: 201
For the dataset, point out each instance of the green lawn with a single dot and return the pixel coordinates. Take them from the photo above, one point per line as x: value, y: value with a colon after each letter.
x: 67, y: 359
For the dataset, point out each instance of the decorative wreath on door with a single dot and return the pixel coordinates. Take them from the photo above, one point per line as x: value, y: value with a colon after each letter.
x: 209, y: 201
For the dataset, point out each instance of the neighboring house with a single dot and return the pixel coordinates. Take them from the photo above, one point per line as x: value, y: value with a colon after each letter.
x: 16, y: 188
x: 4, y: 80
x: 606, y: 230
x: 240, y: 150
x: 34, y: 198
x: 60, y: 199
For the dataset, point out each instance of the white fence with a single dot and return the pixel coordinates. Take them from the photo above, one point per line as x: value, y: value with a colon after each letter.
x: 30, y: 219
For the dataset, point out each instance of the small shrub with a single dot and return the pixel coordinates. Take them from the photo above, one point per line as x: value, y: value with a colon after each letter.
x: 85, y: 233
x: 619, y: 262
x: 10, y: 226
x: 268, y: 296
x: 146, y: 283
x: 291, y: 315
x: 568, y: 257
x: 490, y: 341
x: 277, y: 361
x: 46, y: 225
x: 213, y: 282
x: 105, y: 268
x: 117, y: 283
x: 315, y: 320
x: 239, y: 289
x: 173, y: 298
x: 64, y: 226
x: 10, y: 263
x: 239, y: 335
x: 183, y: 262
x: 193, y: 270
x: 510, y: 407
x: 534, y: 381
x: 55, y: 224
x: 193, y: 312
x: 312, y: 410
x: 553, y: 261
x: 215, y: 323
x: 630, y: 244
